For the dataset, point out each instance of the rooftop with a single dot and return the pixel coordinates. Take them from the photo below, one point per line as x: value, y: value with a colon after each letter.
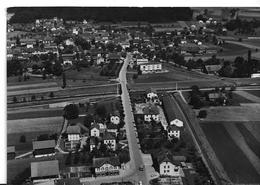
x: 44, y: 168
x: 43, y: 144
x: 73, y: 129
x: 98, y: 162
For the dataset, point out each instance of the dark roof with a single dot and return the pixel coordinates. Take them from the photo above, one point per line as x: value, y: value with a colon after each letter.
x: 73, y: 129
x: 98, y: 162
x: 43, y: 144
x: 94, y: 125
x: 11, y: 149
x: 168, y: 157
x: 167, y: 104
x: 74, y: 181
x: 44, y: 151
x: 92, y: 141
x: 173, y: 127
x: 108, y: 136
x: 44, y: 168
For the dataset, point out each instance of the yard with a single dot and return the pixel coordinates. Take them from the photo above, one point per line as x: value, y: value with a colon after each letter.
x: 234, y: 161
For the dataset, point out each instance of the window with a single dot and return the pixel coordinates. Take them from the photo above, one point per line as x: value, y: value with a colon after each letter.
x: 164, y: 166
x: 176, y: 169
x: 168, y: 166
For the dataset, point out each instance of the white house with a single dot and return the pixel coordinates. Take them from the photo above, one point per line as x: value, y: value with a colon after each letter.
x: 69, y: 42
x: 106, y: 166
x: 173, y: 131
x: 177, y: 122
x: 74, y: 133
x: 171, y: 165
x: 95, y: 130
x: 109, y: 140
x: 115, y: 119
x: 151, y: 67
x: 151, y: 112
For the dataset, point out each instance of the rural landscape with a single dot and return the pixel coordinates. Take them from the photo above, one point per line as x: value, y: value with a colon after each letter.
x: 133, y: 96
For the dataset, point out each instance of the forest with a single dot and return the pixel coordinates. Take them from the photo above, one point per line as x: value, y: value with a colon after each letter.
x: 101, y: 14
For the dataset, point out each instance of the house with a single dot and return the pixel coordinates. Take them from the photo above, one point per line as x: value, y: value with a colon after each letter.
x: 173, y: 132
x: 45, y: 171
x: 68, y: 58
x: 151, y: 67
x: 110, y: 140
x: 212, y: 69
x: 151, y: 112
x: 74, y: 136
x: 177, y: 122
x: 115, y: 119
x: 44, y: 148
x: 171, y: 165
x: 69, y: 42
x: 11, y: 152
x: 106, y: 166
x: 151, y: 93
x: 75, y: 172
x: 29, y: 43
x: 111, y: 127
x: 113, y: 57
x: 141, y: 60
x: 95, y: 130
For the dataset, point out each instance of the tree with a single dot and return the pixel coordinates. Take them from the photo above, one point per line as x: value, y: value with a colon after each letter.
x: 101, y: 111
x: 202, y: 114
x: 64, y: 80
x: 22, y: 139
x: 14, y: 99
x: 88, y: 119
x: 57, y: 68
x: 71, y: 111
x: 33, y: 98
x: 51, y: 95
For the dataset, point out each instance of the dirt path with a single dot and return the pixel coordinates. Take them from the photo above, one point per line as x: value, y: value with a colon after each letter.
x: 241, y: 143
x: 248, y: 96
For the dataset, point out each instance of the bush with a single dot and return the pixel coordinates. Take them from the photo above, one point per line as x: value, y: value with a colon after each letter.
x: 51, y: 95
x: 14, y: 99
x: 202, y: 114
x: 71, y: 111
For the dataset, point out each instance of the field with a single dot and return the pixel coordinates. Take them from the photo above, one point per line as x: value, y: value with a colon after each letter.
x: 254, y: 92
x: 232, y: 49
x: 30, y: 128
x: 234, y: 161
x: 173, y: 74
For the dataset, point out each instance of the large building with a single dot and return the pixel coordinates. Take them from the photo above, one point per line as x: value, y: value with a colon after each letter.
x: 151, y: 67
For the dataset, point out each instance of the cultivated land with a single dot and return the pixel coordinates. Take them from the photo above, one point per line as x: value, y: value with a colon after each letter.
x: 254, y: 92
x: 232, y: 113
x: 234, y: 161
x: 30, y: 128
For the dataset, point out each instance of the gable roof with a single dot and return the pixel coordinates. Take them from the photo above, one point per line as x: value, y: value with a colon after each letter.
x: 173, y: 127
x: 75, y: 129
x: 168, y: 157
x: 94, y: 125
x: 98, y: 162
x: 44, y: 168
x: 43, y: 144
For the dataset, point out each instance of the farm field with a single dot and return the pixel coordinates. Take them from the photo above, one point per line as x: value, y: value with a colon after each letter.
x: 254, y: 92
x: 234, y: 161
x: 30, y: 128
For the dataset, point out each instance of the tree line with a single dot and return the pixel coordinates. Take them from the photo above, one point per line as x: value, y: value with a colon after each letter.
x: 111, y: 14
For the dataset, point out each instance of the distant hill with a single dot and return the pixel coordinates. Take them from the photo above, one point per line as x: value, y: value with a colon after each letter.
x: 100, y: 14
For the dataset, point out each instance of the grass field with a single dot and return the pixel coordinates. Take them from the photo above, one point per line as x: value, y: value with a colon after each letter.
x: 30, y: 128
x: 232, y: 158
